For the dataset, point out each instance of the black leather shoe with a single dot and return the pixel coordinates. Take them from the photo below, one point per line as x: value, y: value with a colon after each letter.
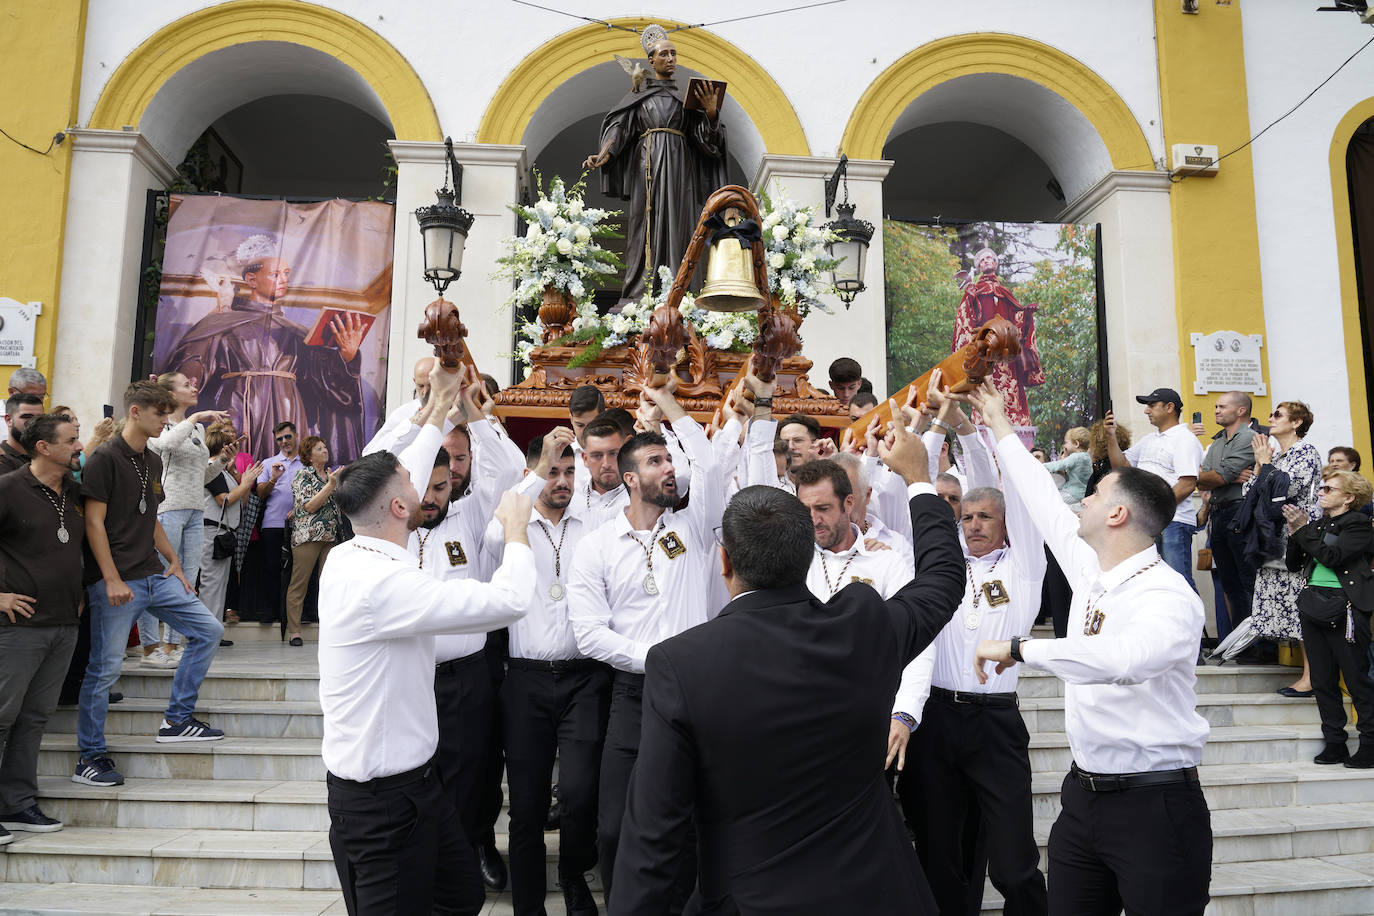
x: 116, y: 696
x: 1363, y: 759
x: 554, y: 819
x: 1334, y: 753
x: 577, y: 897
x: 225, y: 642
x: 492, y: 865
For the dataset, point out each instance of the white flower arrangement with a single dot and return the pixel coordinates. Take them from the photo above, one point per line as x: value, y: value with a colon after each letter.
x: 559, y: 249
x: 719, y: 330
x: 798, y: 263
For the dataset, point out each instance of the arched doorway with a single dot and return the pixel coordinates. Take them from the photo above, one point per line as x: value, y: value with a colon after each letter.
x: 1352, y: 186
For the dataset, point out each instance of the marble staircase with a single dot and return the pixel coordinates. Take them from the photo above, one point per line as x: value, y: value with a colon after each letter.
x: 239, y: 826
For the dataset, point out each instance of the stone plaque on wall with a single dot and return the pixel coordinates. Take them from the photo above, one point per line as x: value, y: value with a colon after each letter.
x: 17, y: 323
x: 1228, y: 361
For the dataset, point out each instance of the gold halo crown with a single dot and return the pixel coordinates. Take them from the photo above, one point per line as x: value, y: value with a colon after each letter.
x: 650, y: 37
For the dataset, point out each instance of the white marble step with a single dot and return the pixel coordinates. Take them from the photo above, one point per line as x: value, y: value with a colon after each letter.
x: 141, y: 757
x: 134, y: 900
x: 224, y: 682
x: 136, y: 715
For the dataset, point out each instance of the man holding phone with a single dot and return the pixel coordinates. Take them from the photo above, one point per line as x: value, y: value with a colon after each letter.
x: 1173, y: 453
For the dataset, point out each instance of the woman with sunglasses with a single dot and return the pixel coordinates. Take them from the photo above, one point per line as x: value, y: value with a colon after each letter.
x: 1274, y: 610
x: 1333, y: 554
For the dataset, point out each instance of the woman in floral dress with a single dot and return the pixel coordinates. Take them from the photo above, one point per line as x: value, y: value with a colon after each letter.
x: 315, y: 526
x: 1275, y: 607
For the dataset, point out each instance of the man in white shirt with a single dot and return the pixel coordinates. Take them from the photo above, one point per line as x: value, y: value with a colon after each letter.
x: 965, y: 778
x: 554, y: 701
x: 1134, y: 829
x: 398, y: 421
x: 395, y: 838
x: 602, y: 494
x: 861, y: 513
x: 638, y: 579
x: 842, y: 555
x: 1173, y: 453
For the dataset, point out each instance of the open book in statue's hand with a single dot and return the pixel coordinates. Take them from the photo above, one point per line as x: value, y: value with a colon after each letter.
x: 697, y: 88
x: 322, y: 333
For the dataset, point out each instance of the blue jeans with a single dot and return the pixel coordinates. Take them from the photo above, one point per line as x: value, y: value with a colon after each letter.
x: 1177, y: 549
x: 186, y: 530
x: 167, y: 600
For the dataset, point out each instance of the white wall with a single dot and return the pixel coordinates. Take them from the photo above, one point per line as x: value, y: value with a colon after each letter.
x: 1293, y: 202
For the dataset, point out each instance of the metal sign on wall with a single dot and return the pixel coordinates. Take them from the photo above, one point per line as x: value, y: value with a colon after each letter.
x: 17, y: 323
x: 1228, y: 361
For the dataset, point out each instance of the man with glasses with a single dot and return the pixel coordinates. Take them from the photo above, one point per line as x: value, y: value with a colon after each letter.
x: 274, y: 489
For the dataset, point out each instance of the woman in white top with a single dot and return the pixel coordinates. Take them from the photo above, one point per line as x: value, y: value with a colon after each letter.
x: 186, y: 467
x: 224, y: 495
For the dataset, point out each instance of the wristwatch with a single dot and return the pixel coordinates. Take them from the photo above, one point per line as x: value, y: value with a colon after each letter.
x: 763, y: 402
x: 1016, y: 647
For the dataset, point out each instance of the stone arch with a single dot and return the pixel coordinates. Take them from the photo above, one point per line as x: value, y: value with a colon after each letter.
x: 1345, y: 258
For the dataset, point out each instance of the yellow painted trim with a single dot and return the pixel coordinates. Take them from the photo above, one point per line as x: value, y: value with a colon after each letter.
x: 518, y: 97
x: 960, y: 55
x: 1345, y: 259
x: 131, y: 89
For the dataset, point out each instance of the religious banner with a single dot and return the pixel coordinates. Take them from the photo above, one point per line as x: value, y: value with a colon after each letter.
x: 280, y: 311
x: 944, y: 282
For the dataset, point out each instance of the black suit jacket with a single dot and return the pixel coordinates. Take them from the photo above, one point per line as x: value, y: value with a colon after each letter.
x: 1343, y: 544
x: 768, y: 726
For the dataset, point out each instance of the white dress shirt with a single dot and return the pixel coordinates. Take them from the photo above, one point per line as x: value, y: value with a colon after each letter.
x: 877, y: 531
x: 615, y: 620
x: 544, y: 633
x: 397, y: 422
x: 1020, y: 568
x: 760, y: 467
x: 1130, y: 699
x: 1171, y: 454
x: 378, y: 618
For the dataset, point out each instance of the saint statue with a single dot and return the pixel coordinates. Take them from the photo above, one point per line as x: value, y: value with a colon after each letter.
x: 254, y: 362
x: 985, y: 297
x: 662, y: 156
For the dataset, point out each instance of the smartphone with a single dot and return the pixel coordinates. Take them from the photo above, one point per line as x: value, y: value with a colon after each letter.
x: 1197, y: 416
x: 107, y: 410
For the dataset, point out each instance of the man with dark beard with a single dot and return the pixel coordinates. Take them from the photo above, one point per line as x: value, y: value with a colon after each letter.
x: 638, y: 579
x: 554, y: 701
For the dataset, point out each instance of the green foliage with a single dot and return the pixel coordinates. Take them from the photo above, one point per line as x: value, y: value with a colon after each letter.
x: 922, y: 298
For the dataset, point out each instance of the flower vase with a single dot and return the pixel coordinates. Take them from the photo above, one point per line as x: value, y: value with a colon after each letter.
x: 555, y: 312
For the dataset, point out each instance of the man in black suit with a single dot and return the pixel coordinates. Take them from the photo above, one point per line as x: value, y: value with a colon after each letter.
x: 768, y: 725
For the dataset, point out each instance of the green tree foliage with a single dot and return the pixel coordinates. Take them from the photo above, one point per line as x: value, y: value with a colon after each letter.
x: 923, y: 295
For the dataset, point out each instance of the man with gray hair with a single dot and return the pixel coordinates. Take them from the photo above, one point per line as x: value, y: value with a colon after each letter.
x: 24, y: 381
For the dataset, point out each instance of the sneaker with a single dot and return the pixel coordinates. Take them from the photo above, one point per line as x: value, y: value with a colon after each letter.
x: 6, y: 837
x: 1334, y: 753
x: 97, y: 771
x: 32, y: 820
x: 192, y: 729
x: 133, y: 652
x: 159, y: 659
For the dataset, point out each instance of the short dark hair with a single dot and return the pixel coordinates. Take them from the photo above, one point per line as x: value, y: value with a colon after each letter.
x: 17, y: 401
x: 621, y: 417
x: 628, y: 459
x: 864, y: 399
x: 603, y: 426
x: 1351, y: 455
x: 1149, y: 499
x: 586, y: 398
x: 812, y: 425
x: 823, y: 469
x: 845, y: 369
x: 149, y: 394
x: 284, y: 424
x: 491, y: 384
x: 865, y: 386
x: 41, y: 429
x: 536, y: 448
x: 441, y: 458
x: 767, y: 534
x: 362, y: 481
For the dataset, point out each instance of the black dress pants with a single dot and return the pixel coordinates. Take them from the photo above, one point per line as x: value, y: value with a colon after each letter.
x: 1330, y: 656
x: 964, y: 753
x: 467, y: 730
x: 552, y: 709
x: 1056, y: 596
x: 1146, y: 849
x: 264, y: 590
x: 617, y: 763
x: 399, y: 849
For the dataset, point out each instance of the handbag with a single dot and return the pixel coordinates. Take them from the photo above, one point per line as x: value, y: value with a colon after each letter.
x: 1326, y: 606
x: 222, y: 547
x: 1204, y: 558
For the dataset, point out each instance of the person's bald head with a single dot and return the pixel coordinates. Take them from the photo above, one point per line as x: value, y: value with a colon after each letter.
x: 423, y: 367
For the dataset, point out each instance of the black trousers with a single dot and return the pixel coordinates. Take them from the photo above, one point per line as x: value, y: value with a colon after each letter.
x: 266, y: 571
x: 964, y: 753
x: 548, y: 713
x: 1148, y: 850
x: 1229, y: 564
x: 1056, y: 596
x: 399, y: 849
x: 76, y: 669
x: 617, y: 763
x: 1330, y: 656
x: 468, y: 714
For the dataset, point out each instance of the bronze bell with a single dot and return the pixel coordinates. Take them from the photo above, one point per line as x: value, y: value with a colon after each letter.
x: 729, y: 285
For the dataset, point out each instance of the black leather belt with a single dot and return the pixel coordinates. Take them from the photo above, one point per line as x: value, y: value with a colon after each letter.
x: 454, y: 664
x: 1117, y: 782
x: 962, y: 697
x: 556, y: 666
x: 382, y: 783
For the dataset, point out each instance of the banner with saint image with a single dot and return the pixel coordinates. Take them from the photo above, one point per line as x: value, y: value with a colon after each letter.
x: 280, y: 311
